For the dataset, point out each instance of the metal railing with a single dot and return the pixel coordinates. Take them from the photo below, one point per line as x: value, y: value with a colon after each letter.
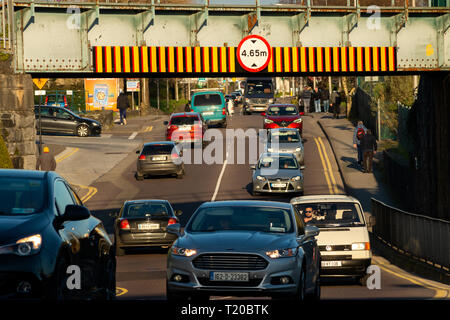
x: 7, y: 21
x: 421, y: 237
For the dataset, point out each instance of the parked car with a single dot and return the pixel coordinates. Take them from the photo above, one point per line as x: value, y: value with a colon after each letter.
x: 286, y: 140
x: 185, y: 127
x: 238, y: 95
x: 44, y: 229
x: 245, y: 248
x: 143, y: 223
x: 283, y: 116
x: 345, y: 246
x: 59, y: 100
x: 60, y: 120
x: 160, y: 158
x: 211, y: 105
x: 277, y: 173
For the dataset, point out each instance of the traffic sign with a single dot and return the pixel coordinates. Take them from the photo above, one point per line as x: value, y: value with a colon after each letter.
x: 40, y: 83
x: 254, y: 53
x: 39, y: 92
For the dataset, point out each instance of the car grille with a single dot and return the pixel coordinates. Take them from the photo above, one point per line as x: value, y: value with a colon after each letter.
x: 264, y: 101
x: 336, y: 248
x: 284, y: 123
x: 250, y: 283
x: 230, y: 262
x: 336, y: 258
x: 289, y: 186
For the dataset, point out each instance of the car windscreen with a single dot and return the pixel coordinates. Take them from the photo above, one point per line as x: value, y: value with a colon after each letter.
x: 245, y: 218
x: 259, y: 87
x: 207, y: 100
x: 284, y: 137
x: 152, y: 210
x: 156, y: 149
x: 184, y: 120
x: 278, y: 162
x: 282, y: 111
x: 332, y: 214
x: 21, y: 196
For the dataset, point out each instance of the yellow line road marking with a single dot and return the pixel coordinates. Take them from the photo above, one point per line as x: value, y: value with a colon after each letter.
x: 65, y: 156
x: 120, y: 291
x: 148, y: 129
x: 91, y: 192
x: 324, y: 167
x: 330, y: 169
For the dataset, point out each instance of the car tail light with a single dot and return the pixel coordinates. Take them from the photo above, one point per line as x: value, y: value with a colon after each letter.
x: 124, y: 225
x: 46, y: 100
x: 175, y: 156
x: 172, y: 221
x: 65, y: 102
x: 141, y: 157
x: 224, y: 112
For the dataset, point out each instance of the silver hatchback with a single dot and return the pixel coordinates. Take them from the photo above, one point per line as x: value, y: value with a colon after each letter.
x: 287, y: 140
x: 244, y: 248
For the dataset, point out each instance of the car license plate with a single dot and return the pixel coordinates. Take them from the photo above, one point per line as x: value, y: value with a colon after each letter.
x: 159, y: 158
x: 331, y: 263
x: 148, y: 226
x: 229, y: 276
x: 208, y: 113
x: 185, y: 128
x: 278, y: 185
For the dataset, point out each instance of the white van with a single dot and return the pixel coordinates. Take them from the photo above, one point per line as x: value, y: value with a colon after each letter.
x: 344, y: 239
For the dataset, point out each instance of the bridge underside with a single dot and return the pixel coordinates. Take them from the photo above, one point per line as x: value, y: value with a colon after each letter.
x: 63, y: 38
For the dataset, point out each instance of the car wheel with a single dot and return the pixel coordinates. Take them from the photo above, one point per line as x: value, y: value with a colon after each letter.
x: 110, y: 276
x: 119, y: 250
x: 255, y: 193
x: 300, y: 294
x: 317, y: 290
x: 224, y: 125
x: 83, y: 130
x: 59, y: 290
x: 362, y: 280
x: 139, y: 177
x: 181, y: 174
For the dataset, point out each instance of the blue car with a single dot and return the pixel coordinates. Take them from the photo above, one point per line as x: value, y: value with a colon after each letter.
x: 211, y: 105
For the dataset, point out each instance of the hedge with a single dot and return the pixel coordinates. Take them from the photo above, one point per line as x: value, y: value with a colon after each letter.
x: 5, y: 160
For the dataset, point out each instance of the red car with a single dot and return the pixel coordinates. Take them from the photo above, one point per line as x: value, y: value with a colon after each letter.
x: 185, y: 127
x: 283, y: 116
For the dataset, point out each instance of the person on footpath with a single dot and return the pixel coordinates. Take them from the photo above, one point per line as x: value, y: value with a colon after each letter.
x: 46, y: 161
x: 123, y: 105
x: 325, y: 97
x: 306, y: 99
x: 335, y: 102
x: 369, y: 148
x: 316, y: 99
x: 358, y: 134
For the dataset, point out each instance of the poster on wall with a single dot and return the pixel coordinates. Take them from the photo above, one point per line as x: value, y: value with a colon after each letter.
x: 101, y: 94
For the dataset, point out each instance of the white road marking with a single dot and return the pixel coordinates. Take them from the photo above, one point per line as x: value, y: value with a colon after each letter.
x: 220, y: 179
x: 133, y: 135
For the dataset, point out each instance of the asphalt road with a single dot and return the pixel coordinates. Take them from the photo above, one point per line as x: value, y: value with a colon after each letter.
x: 141, y: 273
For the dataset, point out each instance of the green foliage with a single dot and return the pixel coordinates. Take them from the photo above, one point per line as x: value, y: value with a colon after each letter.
x: 5, y: 160
x: 173, y: 105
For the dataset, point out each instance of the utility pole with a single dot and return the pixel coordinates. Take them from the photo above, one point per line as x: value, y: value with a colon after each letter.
x: 167, y: 93
x: 157, y: 92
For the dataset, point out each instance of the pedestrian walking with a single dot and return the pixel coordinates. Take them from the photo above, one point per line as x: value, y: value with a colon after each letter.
x: 325, y: 97
x: 369, y: 148
x: 46, y: 161
x: 335, y: 102
x: 306, y: 98
x: 123, y: 105
x: 316, y: 99
x: 358, y: 134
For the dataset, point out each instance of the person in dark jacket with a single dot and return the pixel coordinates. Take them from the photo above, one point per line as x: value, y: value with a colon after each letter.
x: 316, y: 98
x: 358, y: 134
x: 335, y: 102
x: 306, y: 99
x: 369, y: 147
x: 123, y: 105
x: 325, y: 97
x: 46, y: 161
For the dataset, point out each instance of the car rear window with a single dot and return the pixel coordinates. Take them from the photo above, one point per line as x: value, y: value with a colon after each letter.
x: 149, y: 209
x: 21, y: 196
x: 184, y: 120
x: 207, y: 100
x: 155, y: 149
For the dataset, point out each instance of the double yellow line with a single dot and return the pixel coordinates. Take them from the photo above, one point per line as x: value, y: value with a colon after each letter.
x: 328, y: 170
x: 66, y: 155
x: 147, y: 129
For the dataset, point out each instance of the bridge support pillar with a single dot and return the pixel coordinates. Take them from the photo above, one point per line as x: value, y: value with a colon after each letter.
x: 17, y: 120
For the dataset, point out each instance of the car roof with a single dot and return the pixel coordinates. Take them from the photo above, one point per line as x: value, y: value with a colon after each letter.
x: 187, y: 114
x: 158, y: 143
x: 145, y: 201
x: 19, y: 173
x: 324, y: 198
x: 247, y: 203
x: 272, y: 154
x: 282, y: 105
x: 206, y: 92
x: 283, y: 129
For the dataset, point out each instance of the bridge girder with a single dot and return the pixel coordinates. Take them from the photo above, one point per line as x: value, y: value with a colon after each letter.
x: 60, y: 37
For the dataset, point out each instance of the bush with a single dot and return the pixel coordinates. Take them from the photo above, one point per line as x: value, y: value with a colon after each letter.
x: 5, y: 160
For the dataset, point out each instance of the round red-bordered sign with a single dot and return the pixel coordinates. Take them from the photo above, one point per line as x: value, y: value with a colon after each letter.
x: 254, y: 53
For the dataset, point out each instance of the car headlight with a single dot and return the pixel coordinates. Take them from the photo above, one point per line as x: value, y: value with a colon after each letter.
x: 298, y: 149
x: 247, y: 100
x: 183, y: 252
x: 297, y: 178
x: 268, y: 121
x: 95, y: 124
x: 23, y: 247
x: 299, y: 120
x: 361, y: 246
x: 260, y: 178
x: 282, y: 253
x: 270, y: 149
x: 270, y: 100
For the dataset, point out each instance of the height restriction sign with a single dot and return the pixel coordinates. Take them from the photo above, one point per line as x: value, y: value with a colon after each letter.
x: 254, y: 53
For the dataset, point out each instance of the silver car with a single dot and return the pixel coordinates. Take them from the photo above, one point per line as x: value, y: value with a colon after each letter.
x: 286, y: 140
x: 277, y: 173
x: 244, y: 248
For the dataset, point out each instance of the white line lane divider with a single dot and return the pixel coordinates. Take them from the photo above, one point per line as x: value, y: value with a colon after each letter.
x: 220, y: 179
x: 133, y: 135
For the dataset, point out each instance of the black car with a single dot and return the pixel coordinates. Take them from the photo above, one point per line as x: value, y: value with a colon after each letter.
x: 160, y: 158
x: 143, y: 223
x: 47, y: 236
x: 56, y: 119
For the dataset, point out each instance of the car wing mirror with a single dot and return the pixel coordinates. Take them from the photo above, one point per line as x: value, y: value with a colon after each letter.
x: 311, y: 232
x: 75, y: 212
x: 166, y: 123
x: 302, y: 167
x: 174, y: 229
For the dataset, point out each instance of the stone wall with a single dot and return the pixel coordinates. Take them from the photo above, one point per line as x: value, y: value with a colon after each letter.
x: 17, y: 121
